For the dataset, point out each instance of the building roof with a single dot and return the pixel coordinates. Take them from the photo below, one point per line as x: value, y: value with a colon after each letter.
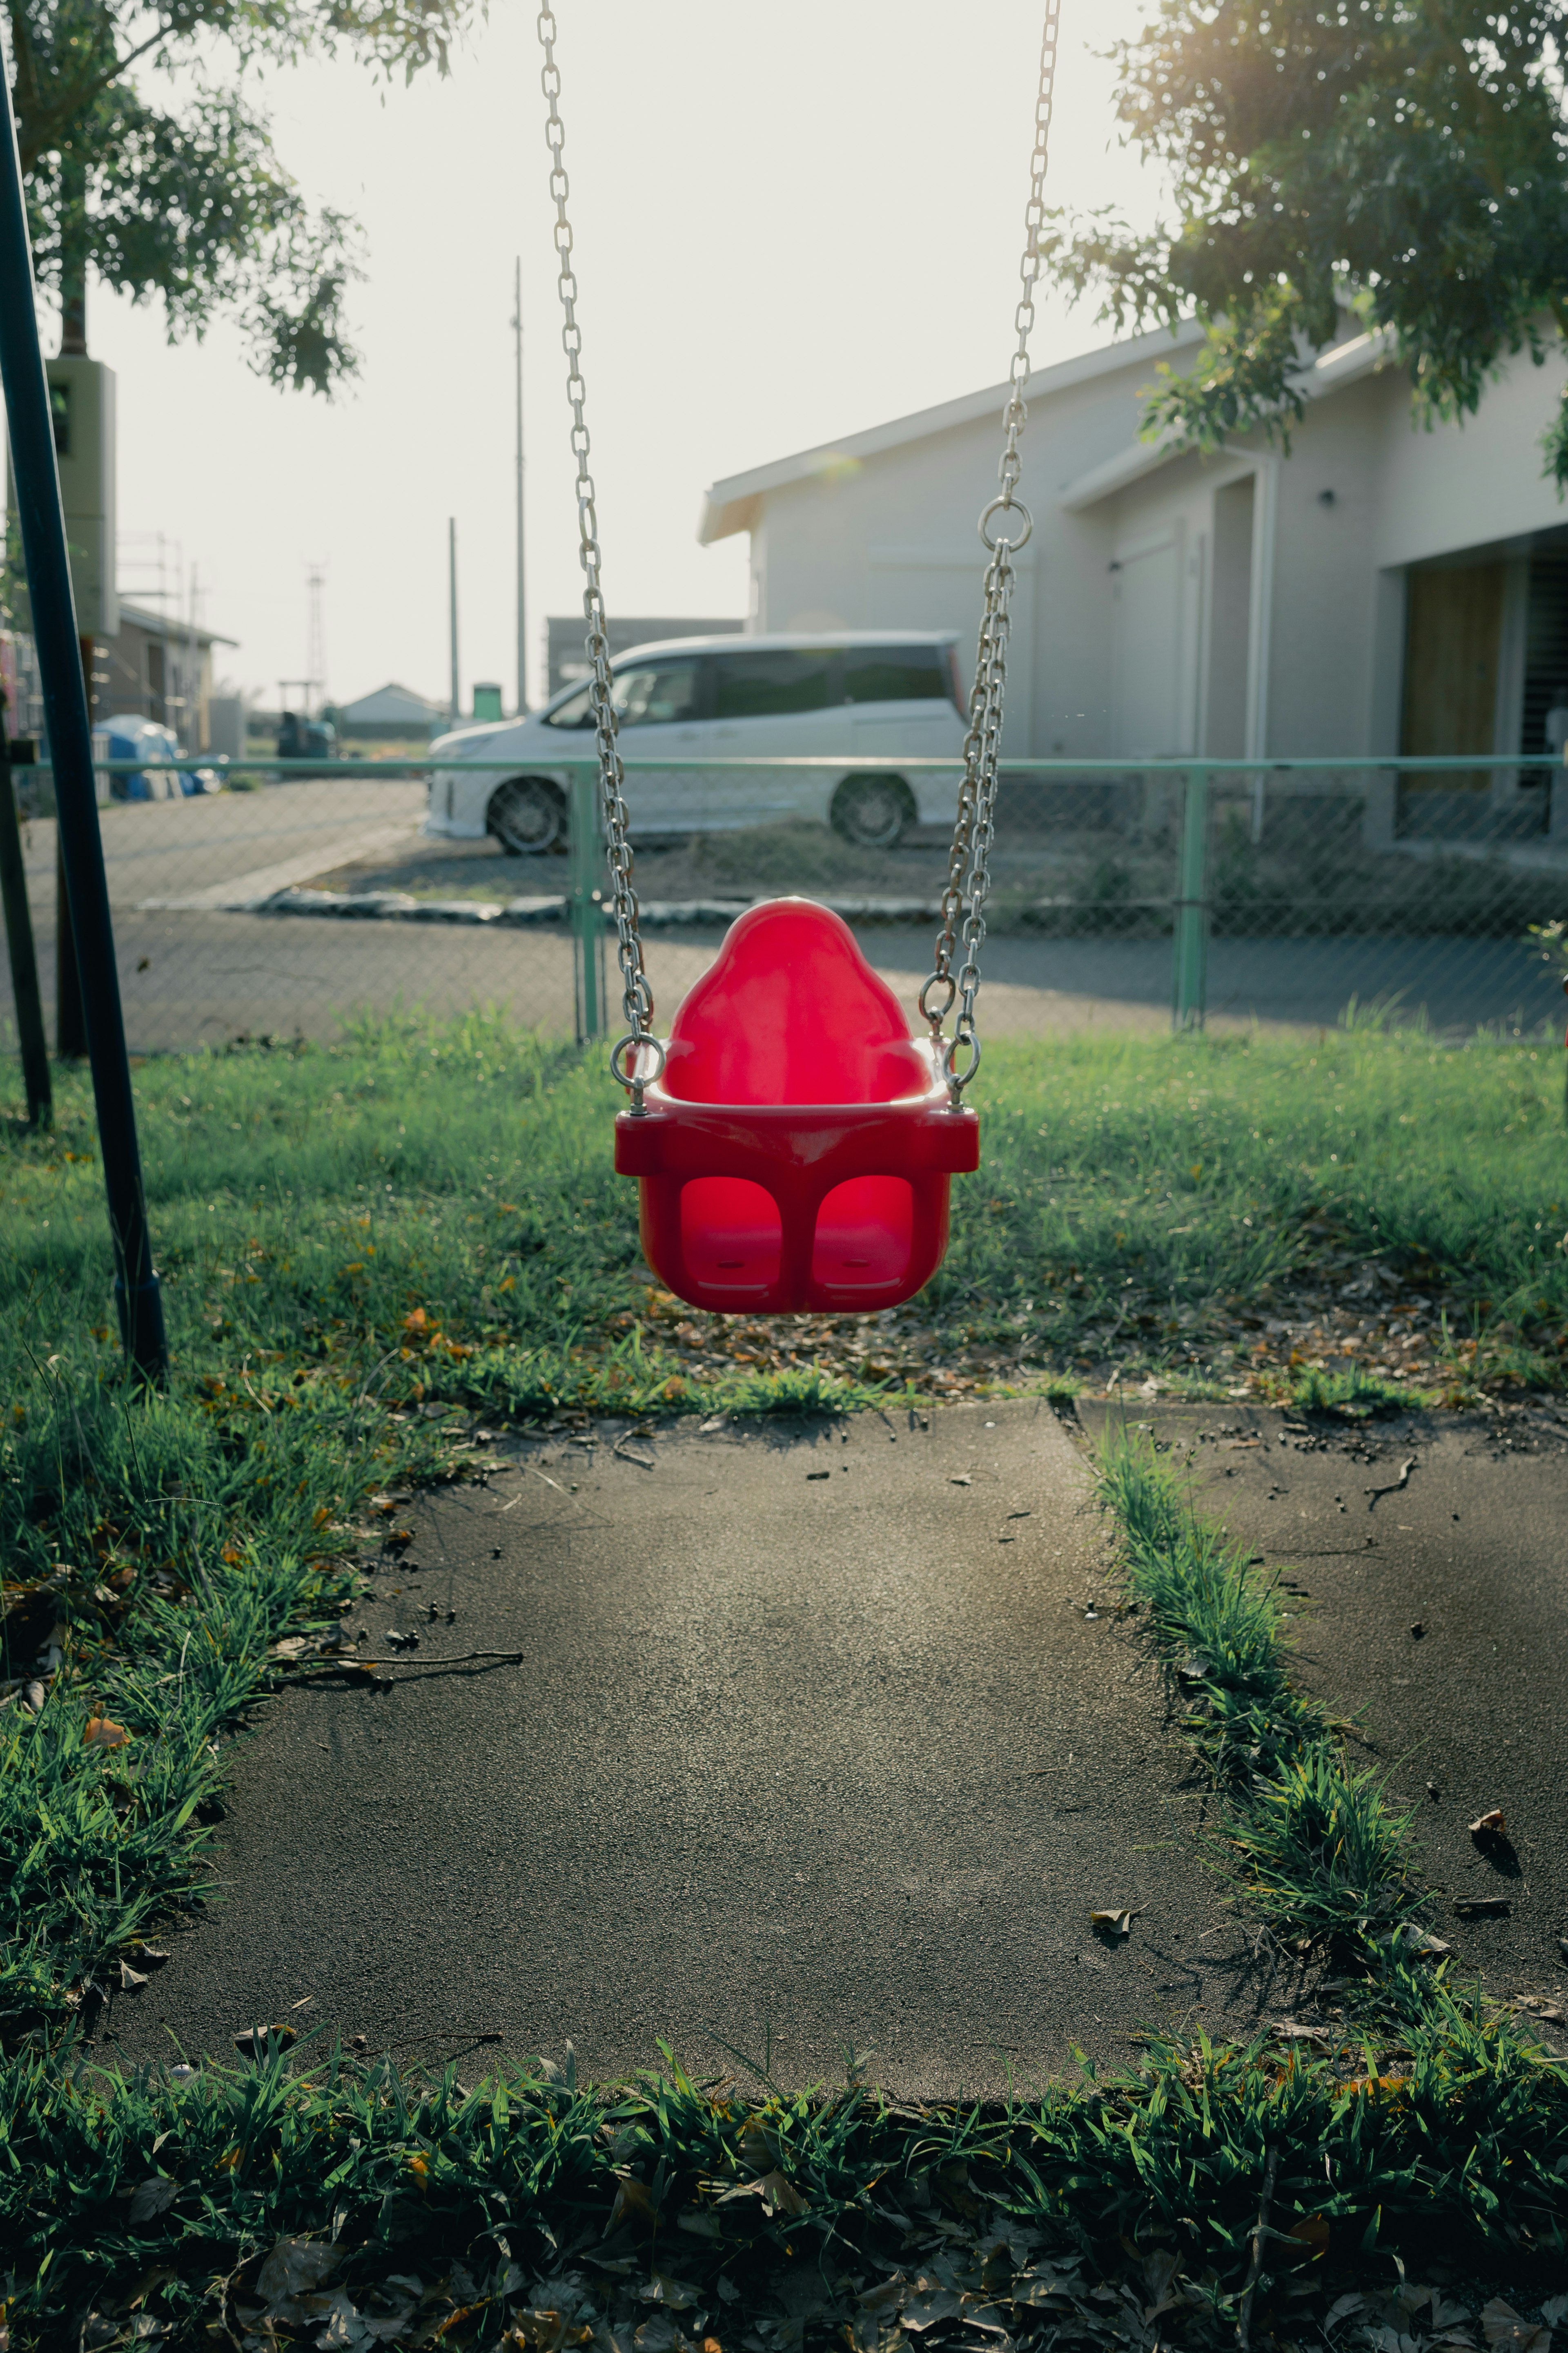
x: 1340, y: 364
x: 165, y: 625
x: 390, y: 703
x: 734, y: 504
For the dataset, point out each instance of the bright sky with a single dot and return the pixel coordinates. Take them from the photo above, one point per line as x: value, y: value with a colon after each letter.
x: 791, y: 224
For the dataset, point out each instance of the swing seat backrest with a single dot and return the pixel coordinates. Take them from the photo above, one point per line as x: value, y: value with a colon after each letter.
x: 797, y: 1150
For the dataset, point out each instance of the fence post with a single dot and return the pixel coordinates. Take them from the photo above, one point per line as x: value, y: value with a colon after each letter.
x: 585, y: 903
x: 38, y: 490
x: 1189, y: 978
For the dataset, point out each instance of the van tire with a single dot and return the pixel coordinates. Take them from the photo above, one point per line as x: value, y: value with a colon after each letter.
x: 527, y: 816
x: 874, y: 811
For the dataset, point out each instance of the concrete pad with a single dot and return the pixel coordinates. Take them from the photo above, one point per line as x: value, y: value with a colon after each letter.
x: 1470, y: 1549
x: 813, y: 1743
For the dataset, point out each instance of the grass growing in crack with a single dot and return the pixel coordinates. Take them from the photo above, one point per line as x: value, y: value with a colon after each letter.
x: 1215, y: 1619
x: 1310, y: 1842
x: 1319, y: 1853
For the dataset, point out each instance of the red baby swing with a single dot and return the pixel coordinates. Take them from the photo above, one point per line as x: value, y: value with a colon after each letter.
x: 793, y: 1145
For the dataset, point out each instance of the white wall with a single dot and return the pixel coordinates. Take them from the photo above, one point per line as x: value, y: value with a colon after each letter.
x: 1467, y: 485
x: 889, y: 541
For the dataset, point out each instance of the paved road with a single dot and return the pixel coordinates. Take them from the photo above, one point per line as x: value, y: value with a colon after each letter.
x: 184, y: 848
x: 193, y: 978
x: 812, y: 1739
x: 1470, y: 1549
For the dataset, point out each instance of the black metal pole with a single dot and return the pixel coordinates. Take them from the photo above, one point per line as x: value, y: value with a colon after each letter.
x: 70, y: 750
x: 26, y: 995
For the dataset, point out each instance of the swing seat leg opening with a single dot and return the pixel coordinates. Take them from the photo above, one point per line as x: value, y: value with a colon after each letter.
x: 730, y: 1245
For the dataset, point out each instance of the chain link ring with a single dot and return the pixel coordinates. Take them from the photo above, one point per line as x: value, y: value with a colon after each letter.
x: 1010, y: 506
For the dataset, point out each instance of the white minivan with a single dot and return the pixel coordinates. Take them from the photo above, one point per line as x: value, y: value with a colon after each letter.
x: 888, y: 695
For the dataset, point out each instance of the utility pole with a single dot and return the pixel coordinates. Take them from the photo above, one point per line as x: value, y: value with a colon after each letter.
x: 452, y: 602
x: 316, y: 637
x: 42, y: 516
x: 522, y: 595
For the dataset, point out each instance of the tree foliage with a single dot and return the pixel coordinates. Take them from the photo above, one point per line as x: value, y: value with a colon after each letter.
x: 147, y: 161
x: 1402, y: 158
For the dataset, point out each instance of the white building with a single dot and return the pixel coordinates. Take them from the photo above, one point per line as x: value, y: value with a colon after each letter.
x: 1384, y: 588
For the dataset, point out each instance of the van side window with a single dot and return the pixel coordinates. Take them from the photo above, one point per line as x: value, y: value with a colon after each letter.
x: 655, y: 693
x: 763, y: 684
x: 896, y: 674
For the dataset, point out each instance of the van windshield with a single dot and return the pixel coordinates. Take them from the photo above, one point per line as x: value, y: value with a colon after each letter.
x: 575, y: 712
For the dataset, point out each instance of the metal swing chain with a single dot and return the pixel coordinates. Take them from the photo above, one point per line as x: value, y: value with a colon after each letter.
x: 646, y: 1061
x: 969, y: 863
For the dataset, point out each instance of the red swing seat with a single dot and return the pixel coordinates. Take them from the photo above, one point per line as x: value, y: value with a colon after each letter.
x: 796, y: 1150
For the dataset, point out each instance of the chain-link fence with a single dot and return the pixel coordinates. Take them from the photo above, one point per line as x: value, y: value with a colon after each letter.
x: 292, y: 899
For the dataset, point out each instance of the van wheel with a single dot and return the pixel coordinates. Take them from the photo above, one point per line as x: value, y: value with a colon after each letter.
x: 527, y: 816
x: 873, y: 812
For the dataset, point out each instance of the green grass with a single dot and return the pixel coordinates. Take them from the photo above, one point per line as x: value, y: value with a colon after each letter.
x: 1132, y: 1188
x: 532, y: 2194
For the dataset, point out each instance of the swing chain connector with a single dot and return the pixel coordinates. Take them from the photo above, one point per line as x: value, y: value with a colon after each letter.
x: 1008, y: 505
x: 969, y: 861
x: 637, y: 997
x: 632, y: 1074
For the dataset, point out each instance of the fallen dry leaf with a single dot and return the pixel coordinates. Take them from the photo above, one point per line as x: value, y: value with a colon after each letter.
x: 1488, y: 1825
x: 928, y: 2302
x: 1504, y: 2326
x: 102, y: 1732
x: 1482, y: 1907
x: 777, y: 2192
x: 1115, y: 1924
x: 251, y: 2042
x: 673, y: 2294
x: 632, y: 2198
x: 294, y: 2267
x: 153, y: 2198
x: 1418, y: 1940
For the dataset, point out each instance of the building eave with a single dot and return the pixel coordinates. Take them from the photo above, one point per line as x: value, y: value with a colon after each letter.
x: 735, y: 504
x: 1331, y: 370
x: 163, y: 626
